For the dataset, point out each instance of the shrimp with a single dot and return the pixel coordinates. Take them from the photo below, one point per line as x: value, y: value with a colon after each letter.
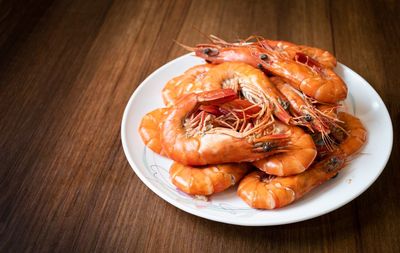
x: 306, y: 113
x: 207, y: 180
x: 189, y: 82
x: 207, y: 144
x: 263, y: 191
x: 316, y: 81
x: 292, y: 51
x: 299, y: 157
x: 252, y: 83
x: 352, y: 136
x: 149, y: 129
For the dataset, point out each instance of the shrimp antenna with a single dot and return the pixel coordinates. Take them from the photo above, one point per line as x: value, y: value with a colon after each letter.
x: 199, y: 31
x: 192, y: 49
x: 219, y: 41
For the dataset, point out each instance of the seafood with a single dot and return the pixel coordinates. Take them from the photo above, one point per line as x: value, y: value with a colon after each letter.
x: 252, y: 83
x: 354, y: 135
x: 307, y: 114
x: 263, y: 191
x: 149, y: 129
x: 207, y: 180
x: 189, y: 82
x: 314, y: 80
x: 298, y: 158
x: 209, y: 144
x: 293, y: 51
x: 256, y: 103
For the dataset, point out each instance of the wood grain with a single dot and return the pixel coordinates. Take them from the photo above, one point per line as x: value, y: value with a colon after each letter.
x: 67, y: 70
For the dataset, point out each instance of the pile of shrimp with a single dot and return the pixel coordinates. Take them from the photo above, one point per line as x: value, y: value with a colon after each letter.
x: 263, y: 114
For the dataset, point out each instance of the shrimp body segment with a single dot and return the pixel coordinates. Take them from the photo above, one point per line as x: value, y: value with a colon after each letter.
x: 356, y: 134
x: 215, y: 145
x: 189, y: 82
x: 292, y: 50
x: 149, y: 129
x: 263, y: 191
x: 207, y: 180
x: 298, y: 158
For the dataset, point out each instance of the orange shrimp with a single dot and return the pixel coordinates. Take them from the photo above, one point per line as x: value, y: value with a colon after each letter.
x: 263, y: 191
x: 207, y: 144
x: 189, y: 82
x: 355, y: 134
x: 296, y: 160
x: 292, y: 51
x: 307, y: 114
x: 149, y: 129
x: 207, y: 180
x: 252, y: 83
x: 318, y: 82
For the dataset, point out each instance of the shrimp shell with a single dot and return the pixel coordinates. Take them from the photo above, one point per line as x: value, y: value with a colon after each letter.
x: 318, y: 82
x: 207, y: 180
x: 149, y: 129
x: 297, y: 159
x: 189, y: 82
x: 290, y: 50
x: 356, y: 134
x: 263, y: 191
x: 216, y: 145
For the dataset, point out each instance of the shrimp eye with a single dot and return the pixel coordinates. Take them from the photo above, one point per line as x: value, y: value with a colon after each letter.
x: 332, y: 164
x: 334, y: 160
x: 260, y: 66
x: 285, y: 104
x: 267, y: 146
x: 206, y: 50
x: 263, y: 56
x: 210, y: 51
x: 308, y: 117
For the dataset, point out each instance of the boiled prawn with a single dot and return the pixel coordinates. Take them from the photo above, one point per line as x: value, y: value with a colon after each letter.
x: 209, y: 144
x: 263, y: 191
x: 318, y: 82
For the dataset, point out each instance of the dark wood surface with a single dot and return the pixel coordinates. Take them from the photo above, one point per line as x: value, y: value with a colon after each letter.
x: 67, y: 70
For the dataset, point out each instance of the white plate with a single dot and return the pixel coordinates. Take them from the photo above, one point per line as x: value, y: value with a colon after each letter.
x: 227, y: 207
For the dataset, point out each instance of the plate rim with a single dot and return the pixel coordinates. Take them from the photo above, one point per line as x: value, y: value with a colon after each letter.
x: 198, y: 212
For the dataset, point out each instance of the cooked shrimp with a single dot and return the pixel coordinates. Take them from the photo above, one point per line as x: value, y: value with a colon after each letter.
x: 355, y: 134
x: 292, y: 51
x: 207, y: 180
x: 318, y: 82
x: 296, y: 160
x: 149, y: 129
x: 209, y: 144
x: 252, y: 83
x: 263, y: 191
x: 189, y: 82
x: 307, y: 114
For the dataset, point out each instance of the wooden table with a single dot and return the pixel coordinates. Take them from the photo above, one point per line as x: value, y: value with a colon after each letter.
x: 67, y: 70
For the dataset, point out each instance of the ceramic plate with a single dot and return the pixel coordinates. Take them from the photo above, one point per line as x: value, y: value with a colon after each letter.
x: 227, y: 207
